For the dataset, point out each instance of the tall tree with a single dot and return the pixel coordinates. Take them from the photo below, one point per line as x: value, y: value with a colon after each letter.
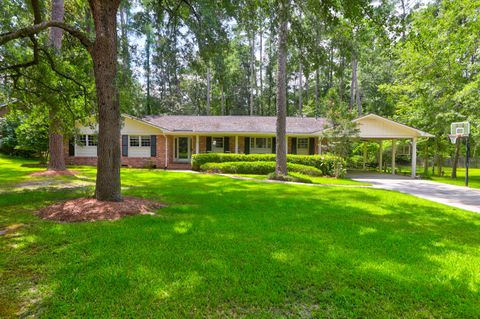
x: 103, y: 51
x: 281, y: 147
x: 55, y: 132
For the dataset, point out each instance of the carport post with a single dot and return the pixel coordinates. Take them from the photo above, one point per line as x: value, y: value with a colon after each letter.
x: 414, y: 157
x: 394, y: 154
x: 380, y: 155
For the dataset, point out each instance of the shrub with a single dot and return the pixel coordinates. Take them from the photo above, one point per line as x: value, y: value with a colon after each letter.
x: 258, y: 167
x: 329, y: 165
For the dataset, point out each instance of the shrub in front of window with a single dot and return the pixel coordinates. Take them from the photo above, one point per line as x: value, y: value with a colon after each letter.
x: 261, y: 167
x: 328, y: 164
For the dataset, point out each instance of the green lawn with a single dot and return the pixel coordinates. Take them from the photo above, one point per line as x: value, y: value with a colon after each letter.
x: 234, y: 248
x: 473, y: 173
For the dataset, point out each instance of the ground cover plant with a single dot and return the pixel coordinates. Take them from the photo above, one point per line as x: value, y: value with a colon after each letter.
x: 232, y: 248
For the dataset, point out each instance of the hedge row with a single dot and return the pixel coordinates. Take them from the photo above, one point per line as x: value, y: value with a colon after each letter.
x: 262, y: 168
x: 329, y: 165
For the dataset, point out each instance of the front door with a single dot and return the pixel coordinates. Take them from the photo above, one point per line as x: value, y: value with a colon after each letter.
x: 182, y: 149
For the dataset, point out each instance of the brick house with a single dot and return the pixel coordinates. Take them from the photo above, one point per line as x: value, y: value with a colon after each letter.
x: 165, y: 141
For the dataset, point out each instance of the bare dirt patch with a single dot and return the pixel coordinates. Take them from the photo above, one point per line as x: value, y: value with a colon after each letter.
x: 53, y: 173
x: 90, y: 209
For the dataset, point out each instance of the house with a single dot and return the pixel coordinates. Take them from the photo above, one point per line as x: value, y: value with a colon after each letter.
x: 168, y: 141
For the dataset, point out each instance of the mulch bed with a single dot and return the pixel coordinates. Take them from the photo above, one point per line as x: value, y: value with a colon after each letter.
x: 52, y: 173
x: 90, y: 209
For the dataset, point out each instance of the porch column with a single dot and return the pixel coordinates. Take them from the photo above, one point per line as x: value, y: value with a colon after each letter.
x: 394, y: 154
x: 380, y: 155
x: 365, y: 148
x: 319, y: 145
x: 197, y: 144
x: 236, y: 144
x: 414, y: 157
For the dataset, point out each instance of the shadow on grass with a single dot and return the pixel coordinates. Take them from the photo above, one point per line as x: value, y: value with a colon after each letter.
x: 228, y: 248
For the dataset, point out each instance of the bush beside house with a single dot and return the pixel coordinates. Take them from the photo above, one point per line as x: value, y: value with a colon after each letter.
x: 327, y: 165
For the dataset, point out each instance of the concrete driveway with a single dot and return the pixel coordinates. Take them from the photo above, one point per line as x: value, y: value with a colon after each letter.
x: 456, y: 196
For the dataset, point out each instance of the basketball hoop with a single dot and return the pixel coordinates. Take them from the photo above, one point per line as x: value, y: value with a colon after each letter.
x: 461, y: 130
x: 454, y: 137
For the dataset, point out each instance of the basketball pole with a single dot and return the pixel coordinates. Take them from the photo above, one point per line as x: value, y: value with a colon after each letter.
x: 467, y: 159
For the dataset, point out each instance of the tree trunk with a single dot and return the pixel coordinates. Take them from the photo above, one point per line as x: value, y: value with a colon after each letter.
x: 260, y: 103
x: 300, y: 88
x: 252, y: 72
x: 208, y: 90
x: 281, y: 154
x: 317, y: 88
x: 455, y: 158
x: 425, y: 160
x: 147, y: 67
x: 357, y: 90
x: 353, y: 83
x: 223, y: 100
x: 55, y: 130
x: 104, y: 56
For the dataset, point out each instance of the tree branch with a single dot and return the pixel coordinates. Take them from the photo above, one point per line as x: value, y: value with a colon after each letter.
x: 37, y: 28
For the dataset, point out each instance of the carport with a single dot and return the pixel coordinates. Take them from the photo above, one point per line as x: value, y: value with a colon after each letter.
x: 378, y: 129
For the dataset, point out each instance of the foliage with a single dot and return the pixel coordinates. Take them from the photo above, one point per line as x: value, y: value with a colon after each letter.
x: 341, y: 132
x: 330, y: 165
x: 260, y: 167
x: 8, y: 137
x: 32, y: 134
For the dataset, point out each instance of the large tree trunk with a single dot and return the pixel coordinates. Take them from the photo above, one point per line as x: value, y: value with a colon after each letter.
x: 281, y: 156
x: 455, y: 158
x: 55, y: 129
x: 104, y: 56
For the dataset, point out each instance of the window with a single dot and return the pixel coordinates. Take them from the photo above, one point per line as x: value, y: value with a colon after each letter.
x: 139, y: 141
x: 217, y: 142
x: 146, y: 141
x: 261, y: 142
x: 134, y: 141
x: 82, y: 140
x: 302, y: 143
x: 92, y: 140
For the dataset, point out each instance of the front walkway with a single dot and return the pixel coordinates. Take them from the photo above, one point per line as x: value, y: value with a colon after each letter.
x: 456, y: 196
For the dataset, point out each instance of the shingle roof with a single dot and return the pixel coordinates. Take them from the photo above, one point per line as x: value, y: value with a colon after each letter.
x: 235, y: 124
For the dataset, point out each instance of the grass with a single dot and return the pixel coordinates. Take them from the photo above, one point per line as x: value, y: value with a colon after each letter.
x: 473, y: 173
x: 234, y: 248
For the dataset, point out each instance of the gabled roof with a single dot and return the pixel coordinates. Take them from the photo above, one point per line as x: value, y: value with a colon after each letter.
x: 386, y: 128
x: 233, y: 124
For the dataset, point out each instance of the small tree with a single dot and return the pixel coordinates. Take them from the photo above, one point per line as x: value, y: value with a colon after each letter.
x: 342, y: 132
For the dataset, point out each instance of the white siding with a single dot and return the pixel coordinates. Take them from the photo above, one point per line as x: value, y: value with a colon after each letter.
x: 129, y: 127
